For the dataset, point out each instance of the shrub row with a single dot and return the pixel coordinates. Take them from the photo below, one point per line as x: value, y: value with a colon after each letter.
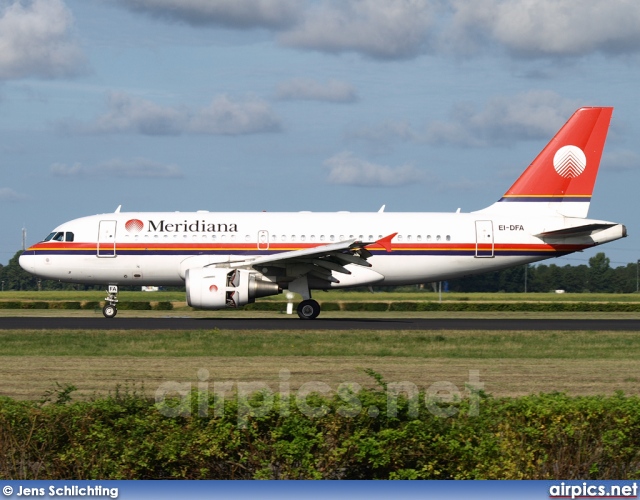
x: 126, y: 436
x: 69, y: 305
x: 461, y: 306
x: 358, y: 306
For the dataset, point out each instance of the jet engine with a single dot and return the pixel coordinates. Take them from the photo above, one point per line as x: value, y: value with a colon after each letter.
x: 218, y: 287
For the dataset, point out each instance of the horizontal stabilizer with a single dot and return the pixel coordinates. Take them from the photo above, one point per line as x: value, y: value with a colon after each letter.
x: 585, y: 230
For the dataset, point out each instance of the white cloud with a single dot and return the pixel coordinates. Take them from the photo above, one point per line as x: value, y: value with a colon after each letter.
x: 224, y: 116
x: 504, y: 120
x: 381, y: 29
x: 8, y: 194
x: 310, y: 90
x: 35, y: 40
x: 238, y: 14
x: 404, y: 29
x: 546, y: 28
x: 346, y: 169
x: 138, y: 168
x: 132, y: 114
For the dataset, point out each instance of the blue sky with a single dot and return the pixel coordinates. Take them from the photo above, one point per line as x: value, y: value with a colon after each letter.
x: 285, y: 105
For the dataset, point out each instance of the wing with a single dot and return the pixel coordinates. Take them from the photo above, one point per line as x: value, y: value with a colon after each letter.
x: 320, y: 261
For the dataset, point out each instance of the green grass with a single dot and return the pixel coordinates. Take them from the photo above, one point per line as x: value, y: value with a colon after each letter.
x: 220, y: 343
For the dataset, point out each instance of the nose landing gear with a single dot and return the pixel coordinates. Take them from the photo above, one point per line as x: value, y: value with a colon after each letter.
x: 110, y: 309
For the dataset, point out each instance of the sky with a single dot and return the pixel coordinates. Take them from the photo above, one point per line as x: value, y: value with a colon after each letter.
x: 290, y: 105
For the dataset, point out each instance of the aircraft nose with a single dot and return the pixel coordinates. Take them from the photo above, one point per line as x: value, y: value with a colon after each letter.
x: 26, y: 261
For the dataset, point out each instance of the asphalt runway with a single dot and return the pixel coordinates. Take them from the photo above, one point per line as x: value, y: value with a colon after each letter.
x: 186, y: 323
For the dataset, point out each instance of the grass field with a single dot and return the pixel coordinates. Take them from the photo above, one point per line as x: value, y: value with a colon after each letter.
x: 509, y: 363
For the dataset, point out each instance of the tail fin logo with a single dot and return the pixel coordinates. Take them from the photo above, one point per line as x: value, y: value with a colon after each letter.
x: 569, y: 161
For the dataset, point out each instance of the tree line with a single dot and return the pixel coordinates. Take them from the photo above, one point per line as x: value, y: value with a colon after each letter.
x: 597, y: 277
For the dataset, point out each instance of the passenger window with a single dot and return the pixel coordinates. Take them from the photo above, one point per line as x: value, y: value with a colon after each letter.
x: 332, y: 238
x: 409, y: 238
x: 438, y: 238
x: 448, y: 237
x: 399, y: 237
x: 293, y: 237
x: 68, y: 236
x: 303, y: 238
x: 428, y: 237
x: 419, y: 237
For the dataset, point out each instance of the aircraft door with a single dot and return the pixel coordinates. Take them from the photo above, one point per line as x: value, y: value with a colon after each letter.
x: 263, y: 240
x: 484, y: 238
x: 107, y: 238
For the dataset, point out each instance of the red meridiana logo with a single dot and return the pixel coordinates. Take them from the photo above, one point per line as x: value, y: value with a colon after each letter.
x: 134, y: 225
x: 213, y: 288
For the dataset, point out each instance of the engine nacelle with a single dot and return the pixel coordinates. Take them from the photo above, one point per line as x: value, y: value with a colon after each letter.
x: 220, y: 287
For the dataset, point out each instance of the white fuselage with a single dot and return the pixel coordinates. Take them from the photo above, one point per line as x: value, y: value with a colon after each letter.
x: 157, y: 248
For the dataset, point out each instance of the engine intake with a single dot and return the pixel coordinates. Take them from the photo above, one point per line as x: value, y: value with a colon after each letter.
x: 218, y: 288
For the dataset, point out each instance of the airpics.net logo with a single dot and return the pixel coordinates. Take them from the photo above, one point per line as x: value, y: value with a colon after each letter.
x: 134, y: 225
x: 569, y: 161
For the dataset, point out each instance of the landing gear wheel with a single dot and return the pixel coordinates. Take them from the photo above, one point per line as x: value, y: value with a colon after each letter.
x: 109, y: 311
x: 308, y: 309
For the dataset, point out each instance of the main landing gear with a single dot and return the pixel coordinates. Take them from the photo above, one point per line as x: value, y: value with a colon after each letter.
x: 110, y: 309
x: 308, y: 309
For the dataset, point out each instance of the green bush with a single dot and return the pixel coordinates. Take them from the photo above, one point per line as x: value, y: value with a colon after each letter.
x: 126, y: 436
x: 134, y: 306
x: 330, y: 306
x: 90, y: 305
x: 365, y: 306
x: 67, y: 305
x: 265, y: 306
x: 163, y: 306
x: 34, y: 305
x: 10, y: 305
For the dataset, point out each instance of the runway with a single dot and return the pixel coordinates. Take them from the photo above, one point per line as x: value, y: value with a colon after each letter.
x: 186, y: 323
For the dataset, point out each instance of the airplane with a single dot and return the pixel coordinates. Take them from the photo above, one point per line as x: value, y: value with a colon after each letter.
x: 227, y: 260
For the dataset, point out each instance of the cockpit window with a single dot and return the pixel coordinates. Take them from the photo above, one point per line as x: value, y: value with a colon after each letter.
x: 51, y: 235
x: 58, y: 237
x: 68, y: 236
